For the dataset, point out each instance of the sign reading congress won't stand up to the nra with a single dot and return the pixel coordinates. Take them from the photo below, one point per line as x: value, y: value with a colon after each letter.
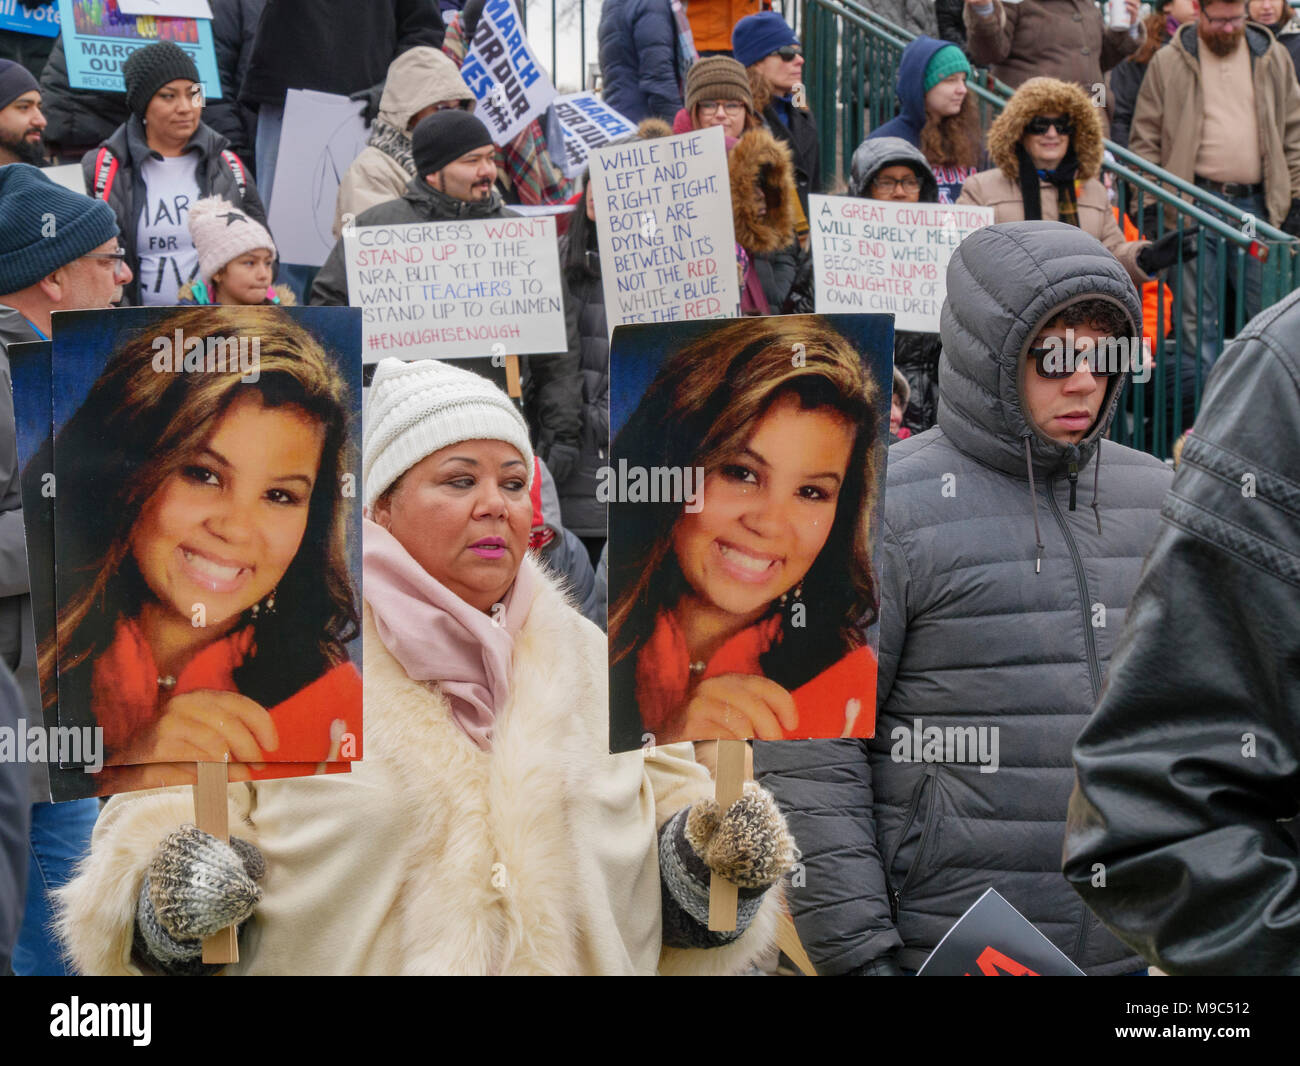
x: 887, y: 257
x: 442, y: 290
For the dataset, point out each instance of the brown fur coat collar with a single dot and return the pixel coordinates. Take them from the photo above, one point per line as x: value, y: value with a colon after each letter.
x: 1047, y: 96
x: 759, y: 161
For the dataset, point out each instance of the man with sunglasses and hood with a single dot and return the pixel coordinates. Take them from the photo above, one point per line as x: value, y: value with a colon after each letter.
x: 1012, y: 539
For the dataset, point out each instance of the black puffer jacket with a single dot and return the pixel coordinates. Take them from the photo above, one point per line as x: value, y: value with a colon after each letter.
x: 972, y: 636
x: 126, y: 194
x: 234, y: 24
x: 584, y: 308
x: 333, y: 47
x: 805, y: 147
x: 1193, y: 755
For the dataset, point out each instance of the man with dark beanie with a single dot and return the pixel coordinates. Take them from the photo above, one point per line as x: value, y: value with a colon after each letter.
x: 58, y: 252
x: 21, y: 121
x: 454, y: 175
x: 454, y: 178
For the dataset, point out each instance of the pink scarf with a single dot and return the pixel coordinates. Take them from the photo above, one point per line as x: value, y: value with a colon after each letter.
x: 437, y: 636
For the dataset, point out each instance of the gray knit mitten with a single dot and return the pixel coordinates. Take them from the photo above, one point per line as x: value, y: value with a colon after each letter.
x: 195, y: 885
x: 748, y: 844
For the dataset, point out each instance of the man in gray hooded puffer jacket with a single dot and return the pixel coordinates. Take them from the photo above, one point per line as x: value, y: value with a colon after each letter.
x: 1012, y: 541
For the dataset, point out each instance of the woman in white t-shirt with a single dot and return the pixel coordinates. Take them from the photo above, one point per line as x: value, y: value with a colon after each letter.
x: 157, y: 164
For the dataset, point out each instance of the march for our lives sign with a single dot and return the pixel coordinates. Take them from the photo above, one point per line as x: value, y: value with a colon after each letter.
x: 501, y: 71
x: 98, y: 38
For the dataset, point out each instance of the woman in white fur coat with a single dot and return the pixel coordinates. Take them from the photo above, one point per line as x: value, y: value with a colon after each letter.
x: 488, y: 830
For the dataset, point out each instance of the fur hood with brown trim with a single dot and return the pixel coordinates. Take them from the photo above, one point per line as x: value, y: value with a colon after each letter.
x: 1047, y: 96
x: 759, y: 162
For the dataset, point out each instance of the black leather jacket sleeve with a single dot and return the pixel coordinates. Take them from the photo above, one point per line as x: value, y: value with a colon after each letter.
x: 1193, y: 755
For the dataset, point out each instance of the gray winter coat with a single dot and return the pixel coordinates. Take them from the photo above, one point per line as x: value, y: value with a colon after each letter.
x: 973, y: 635
x: 17, y: 632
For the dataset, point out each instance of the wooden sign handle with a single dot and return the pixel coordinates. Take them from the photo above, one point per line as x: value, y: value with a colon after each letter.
x: 512, y: 377
x: 729, y: 786
x: 211, y: 814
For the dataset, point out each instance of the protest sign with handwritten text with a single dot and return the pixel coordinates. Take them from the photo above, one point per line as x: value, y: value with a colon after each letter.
x: 439, y: 290
x: 501, y: 71
x: 580, y: 123
x: 887, y: 257
x: 663, y: 216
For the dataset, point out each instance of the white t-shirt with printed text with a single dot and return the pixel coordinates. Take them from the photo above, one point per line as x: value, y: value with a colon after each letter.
x: 163, y: 243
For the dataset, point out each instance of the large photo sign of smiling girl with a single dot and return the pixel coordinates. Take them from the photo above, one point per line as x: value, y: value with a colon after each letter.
x: 746, y: 478
x: 206, y: 522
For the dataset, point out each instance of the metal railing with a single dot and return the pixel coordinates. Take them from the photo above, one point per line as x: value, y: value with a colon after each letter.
x: 851, y: 71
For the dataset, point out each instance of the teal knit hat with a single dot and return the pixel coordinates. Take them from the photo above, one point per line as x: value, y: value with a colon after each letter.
x: 44, y: 226
x: 946, y: 62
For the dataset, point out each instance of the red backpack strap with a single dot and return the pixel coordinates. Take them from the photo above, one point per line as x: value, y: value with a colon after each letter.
x: 104, y: 173
x: 236, y: 168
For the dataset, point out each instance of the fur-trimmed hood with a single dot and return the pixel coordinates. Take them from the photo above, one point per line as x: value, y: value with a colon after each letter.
x: 759, y: 160
x: 1047, y: 96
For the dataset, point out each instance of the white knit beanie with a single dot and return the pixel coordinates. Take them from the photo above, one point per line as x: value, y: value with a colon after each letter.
x: 416, y: 409
x: 223, y: 232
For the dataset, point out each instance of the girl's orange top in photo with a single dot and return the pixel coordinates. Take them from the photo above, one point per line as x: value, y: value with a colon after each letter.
x: 839, y: 702
x: 125, y: 691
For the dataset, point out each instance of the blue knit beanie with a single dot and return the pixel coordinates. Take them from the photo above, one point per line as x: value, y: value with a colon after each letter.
x: 44, y: 226
x: 758, y: 36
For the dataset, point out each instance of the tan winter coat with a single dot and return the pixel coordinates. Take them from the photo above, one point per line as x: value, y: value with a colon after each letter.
x: 432, y: 857
x: 1000, y: 188
x: 1065, y: 39
x: 417, y: 78
x: 1167, y: 117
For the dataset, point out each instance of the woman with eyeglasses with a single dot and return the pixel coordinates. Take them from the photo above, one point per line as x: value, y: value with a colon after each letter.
x: 157, y: 164
x: 766, y: 46
x: 1047, y: 149
x: 717, y: 94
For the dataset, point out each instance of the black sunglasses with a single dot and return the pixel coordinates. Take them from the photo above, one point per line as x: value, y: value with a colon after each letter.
x: 788, y: 51
x: 1052, y: 364
x: 1040, y: 124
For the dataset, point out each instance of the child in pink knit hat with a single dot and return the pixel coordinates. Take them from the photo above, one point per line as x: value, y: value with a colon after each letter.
x: 236, y: 258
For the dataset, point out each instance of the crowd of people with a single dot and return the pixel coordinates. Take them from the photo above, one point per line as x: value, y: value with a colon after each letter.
x: 1000, y: 603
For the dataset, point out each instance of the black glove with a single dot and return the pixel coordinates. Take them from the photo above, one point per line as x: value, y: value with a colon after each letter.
x: 370, y: 97
x: 469, y: 16
x: 1164, y: 253
x: 1291, y: 224
x: 1150, y: 216
x: 561, y: 461
x: 885, y: 966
